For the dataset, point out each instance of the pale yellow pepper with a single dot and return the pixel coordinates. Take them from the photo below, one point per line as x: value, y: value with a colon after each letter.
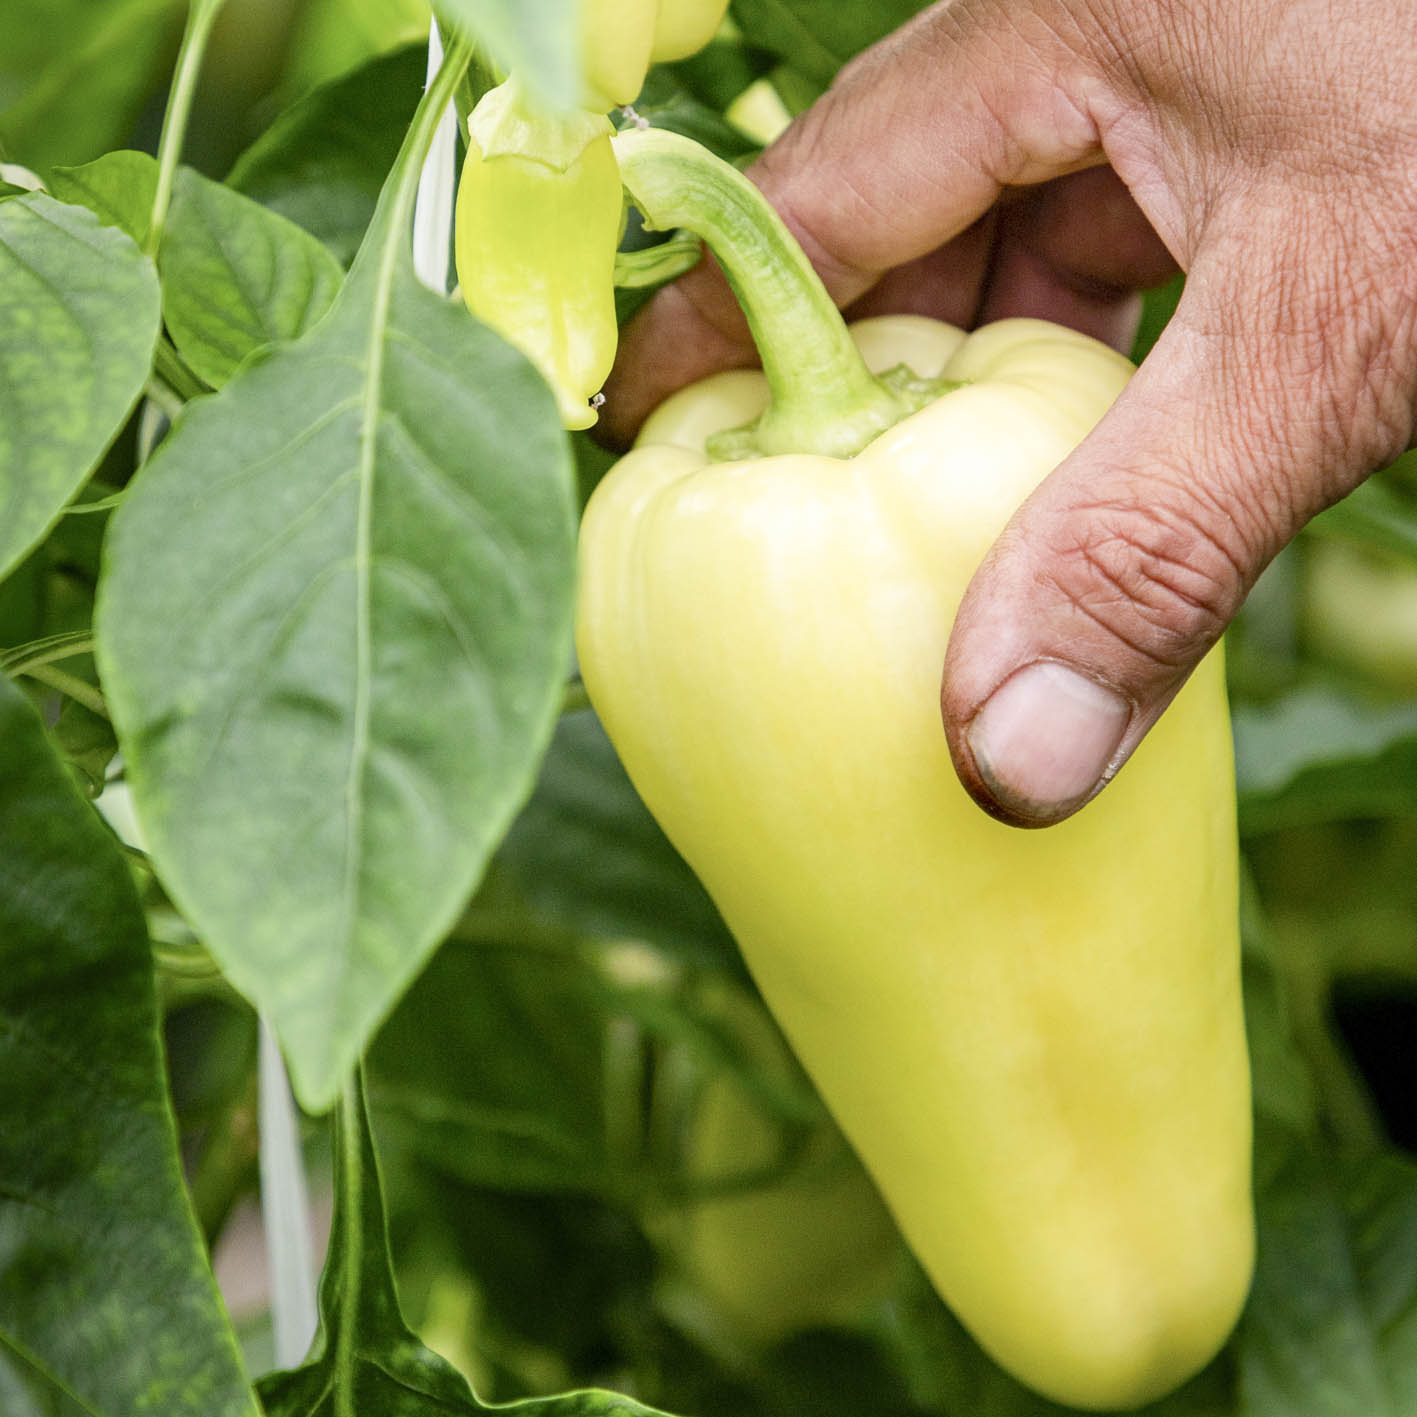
x: 620, y: 39
x: 538, y: 219
x: 1033, y: 1039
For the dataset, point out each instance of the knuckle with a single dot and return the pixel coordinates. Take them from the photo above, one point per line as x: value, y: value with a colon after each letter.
x: 1154, y: 578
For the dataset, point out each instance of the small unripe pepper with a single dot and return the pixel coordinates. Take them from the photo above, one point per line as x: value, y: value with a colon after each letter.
x: 620, y: 39
x: 539, y: 203
x: 538, y: 219
x: 781, y: 1229
x: 683, y: 27
x: 1034, y: 1040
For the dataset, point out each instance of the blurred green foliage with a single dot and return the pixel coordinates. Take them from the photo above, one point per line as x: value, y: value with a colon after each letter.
x: 535, y: 1095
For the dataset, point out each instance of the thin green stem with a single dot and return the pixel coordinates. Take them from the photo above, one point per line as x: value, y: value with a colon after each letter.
x: 654, y: 265
x: 163, y: 397
x: 200, y: 16
x: 624, y: 1066
x: 824, y: 399
x: 65, y: 645
x: 350, y: 1180
x: 574, y: 697
x: 172, y: 369
x: 71, y: 685
x: 227, y: 1163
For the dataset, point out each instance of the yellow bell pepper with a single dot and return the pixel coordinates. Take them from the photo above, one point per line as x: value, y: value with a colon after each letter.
x: 620, y: 39
x: 1033, y: 1039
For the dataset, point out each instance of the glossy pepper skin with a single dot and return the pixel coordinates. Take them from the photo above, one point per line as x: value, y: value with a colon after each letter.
x: 538, y: 219
x: 620, y: 39
x: 1033, y: 1039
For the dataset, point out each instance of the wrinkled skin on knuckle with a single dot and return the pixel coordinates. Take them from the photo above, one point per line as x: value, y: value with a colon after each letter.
x: 1154, y: 578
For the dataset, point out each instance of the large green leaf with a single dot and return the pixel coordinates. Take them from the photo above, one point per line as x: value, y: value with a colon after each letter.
x: 368, y: 1363
x: 1282, y: 1088
x: 1331, y: 1329
x: 236, y: 276
x: 1376, y: 514
x: 333, y: 629
x: 117, y: 188
x: 323, y: 162
x: 1316, y: 754
x: 538, y: 38
x: 79, y: 308
x: 493, y: 1067
x: 105, y: 1294
x: 818, y: 36
x: 333, y: 37
x: 74, y: 74
x: 587, y: 853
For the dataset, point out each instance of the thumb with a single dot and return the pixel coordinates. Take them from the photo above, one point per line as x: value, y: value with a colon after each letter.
x: 1258, y: 407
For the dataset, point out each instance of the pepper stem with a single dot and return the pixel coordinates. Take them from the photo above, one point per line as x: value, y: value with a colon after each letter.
x: 824, y: 399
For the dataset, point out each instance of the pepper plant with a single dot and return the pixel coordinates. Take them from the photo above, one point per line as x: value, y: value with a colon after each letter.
x: 298, y: 779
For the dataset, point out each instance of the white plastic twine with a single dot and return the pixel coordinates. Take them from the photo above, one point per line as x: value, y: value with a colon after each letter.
x: 437, y: 184
x: 285, y: 1212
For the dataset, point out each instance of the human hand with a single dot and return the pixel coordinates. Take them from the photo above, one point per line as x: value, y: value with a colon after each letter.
x: 1067, y: 153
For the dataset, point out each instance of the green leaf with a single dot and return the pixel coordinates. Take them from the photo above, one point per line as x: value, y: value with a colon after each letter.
x: 117, y: 187
x: 537, y: 38
x: 1317, y: 755
x: 79, y: 307
x: 332, y: 632
x: 1157, y: 309
x: 1343, y: 899
x: 588, y: 855
x: 87, y: 741
x: 74, y: 75
x: 105, y: 1293
x: 22, y: 601
x: 236, y: 277
x: 819, y: 36
x: 722, y: 69
x: 323, y: 162
x: 367, y: 1361
x: 1331, y: 1328
x: 333, y: 37
x: 1282, y: 1088
x: 1376, y: 515
x: 522, y: 1108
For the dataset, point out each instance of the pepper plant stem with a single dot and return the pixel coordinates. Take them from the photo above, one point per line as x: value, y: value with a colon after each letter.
x: 824, y: 399
x: 200, y: 17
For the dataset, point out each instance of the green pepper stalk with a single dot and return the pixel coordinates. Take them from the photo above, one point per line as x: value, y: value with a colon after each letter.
x: 538, y: 220
x: 824, y: 399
